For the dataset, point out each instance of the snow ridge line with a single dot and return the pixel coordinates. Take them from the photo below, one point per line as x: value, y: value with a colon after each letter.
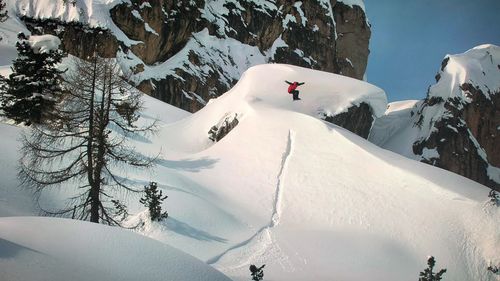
x: 276, y: 215
x: 275, y: 218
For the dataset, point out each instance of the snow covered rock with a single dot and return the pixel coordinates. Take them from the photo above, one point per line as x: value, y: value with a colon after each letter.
x: 44, y: 43
x: 186, y: 52
x: 223, y: 127
x: 49, y: 249
x: 457, y: 126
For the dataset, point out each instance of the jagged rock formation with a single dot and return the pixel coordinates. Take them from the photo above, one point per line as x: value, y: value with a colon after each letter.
x: 466, y: 139
x: 186, y: 52
x: 357, y: 119
x: 457, y: 126
x: 223, y: 127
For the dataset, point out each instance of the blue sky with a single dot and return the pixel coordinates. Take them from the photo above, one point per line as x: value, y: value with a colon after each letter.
x: 411, y: 37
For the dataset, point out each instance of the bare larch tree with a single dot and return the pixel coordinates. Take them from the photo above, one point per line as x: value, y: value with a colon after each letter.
x: 85, y: 147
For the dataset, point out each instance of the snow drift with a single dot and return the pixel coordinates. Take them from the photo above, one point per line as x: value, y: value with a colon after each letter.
x: 51, y: 249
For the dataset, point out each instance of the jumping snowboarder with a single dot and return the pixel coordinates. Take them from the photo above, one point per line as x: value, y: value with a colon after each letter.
x: 292, y: 89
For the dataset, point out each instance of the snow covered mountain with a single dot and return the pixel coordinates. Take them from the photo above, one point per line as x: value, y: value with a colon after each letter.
x: 253, y: 177
x: 284, y: 188
x: 457, y: 126
x: 186, y: 52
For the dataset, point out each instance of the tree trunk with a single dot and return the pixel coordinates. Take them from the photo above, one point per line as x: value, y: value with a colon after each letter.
x: 94, y: 189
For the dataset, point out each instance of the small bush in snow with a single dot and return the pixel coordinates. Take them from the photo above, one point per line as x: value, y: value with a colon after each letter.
x: 257, y: 273
x: 494, y: 269
x: 494, y: 197
x: 428, y: 275
x: 121, y: 211
x: 152, y: 199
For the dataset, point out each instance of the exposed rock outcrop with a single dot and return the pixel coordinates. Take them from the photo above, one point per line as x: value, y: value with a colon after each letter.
x: 223, y: 127
x: 466, y: 138
x: 457, y: 126
x: 77, y: 39
x: 357, y: 119
x: 353, y: 35
x: 186, y: 52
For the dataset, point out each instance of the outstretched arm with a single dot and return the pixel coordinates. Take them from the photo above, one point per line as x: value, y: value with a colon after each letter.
x: 289, y: 83
x: 301, y: 83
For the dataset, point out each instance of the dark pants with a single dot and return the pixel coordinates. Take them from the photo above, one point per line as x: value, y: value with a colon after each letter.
x: 295, y: 95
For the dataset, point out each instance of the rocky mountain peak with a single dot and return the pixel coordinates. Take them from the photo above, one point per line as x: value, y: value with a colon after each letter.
x: 457, y: 126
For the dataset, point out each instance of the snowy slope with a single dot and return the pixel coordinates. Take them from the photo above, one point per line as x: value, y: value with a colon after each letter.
x: 17, y: 201
x: 58, y: 249
x: 309, y: 199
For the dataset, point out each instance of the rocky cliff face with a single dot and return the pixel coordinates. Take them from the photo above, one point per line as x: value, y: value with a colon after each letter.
x: 465, y: 141
x: 185, y: 52
x: 457, y: 126
x: 357, y: 119
x: 77, y: 39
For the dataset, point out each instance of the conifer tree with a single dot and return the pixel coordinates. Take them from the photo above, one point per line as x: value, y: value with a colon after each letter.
x: 3, y: 13
x: 34, y: 87
x: 494, y: 269
x: 153, y: 199
x: 428, y: 275
x: 257, y: 273
x: 494, y: 197
x: 3, y: 86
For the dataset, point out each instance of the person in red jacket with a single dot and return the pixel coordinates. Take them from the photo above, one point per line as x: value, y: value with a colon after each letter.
x: 292, y: 89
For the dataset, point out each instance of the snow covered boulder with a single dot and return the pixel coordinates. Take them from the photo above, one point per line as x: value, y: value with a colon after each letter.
x: 49, y: 249
x: 44, y: 43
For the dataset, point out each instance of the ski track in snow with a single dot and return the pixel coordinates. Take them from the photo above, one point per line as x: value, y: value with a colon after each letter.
x: 277, y: 205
